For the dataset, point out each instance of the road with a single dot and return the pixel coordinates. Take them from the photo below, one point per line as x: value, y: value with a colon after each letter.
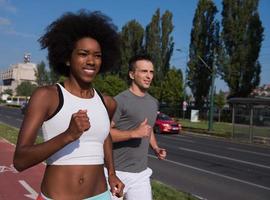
x: 214, y: 168
x: 207, y: 167
x: 11, y: 116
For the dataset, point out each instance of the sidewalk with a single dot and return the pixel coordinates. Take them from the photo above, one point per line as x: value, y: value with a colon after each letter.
x: 17, y: 185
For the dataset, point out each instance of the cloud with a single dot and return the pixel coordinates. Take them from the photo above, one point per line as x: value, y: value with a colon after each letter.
x: 7, y: 6
x: 4, y: 21
x: 20, y: 34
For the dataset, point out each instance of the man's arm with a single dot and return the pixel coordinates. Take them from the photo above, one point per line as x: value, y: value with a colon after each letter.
x: 143, y: 130
x: 160, y: 153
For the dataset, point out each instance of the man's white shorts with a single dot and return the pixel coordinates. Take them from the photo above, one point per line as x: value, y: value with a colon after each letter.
x: 137, y: 185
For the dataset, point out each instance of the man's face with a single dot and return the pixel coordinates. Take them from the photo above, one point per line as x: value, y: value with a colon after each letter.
x: 143, y: 74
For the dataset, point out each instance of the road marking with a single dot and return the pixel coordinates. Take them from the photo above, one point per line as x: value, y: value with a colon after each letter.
x: 225, y: 157
x: 247, y: 151
x: 32, y: 193
x: 178, y: 138
x: 199, y: 197
x: 214, y: 173
x: 8, y: 169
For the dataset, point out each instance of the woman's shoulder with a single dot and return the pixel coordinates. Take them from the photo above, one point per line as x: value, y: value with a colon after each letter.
x: 44, y: 95
x: 43, y: 100
x: 45, y: 91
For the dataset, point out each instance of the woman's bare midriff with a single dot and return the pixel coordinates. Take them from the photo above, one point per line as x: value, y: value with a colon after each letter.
x: 73, y: 181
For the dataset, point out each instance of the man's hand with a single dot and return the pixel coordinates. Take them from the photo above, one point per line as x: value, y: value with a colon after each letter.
x: 143, y: 130
x: 160, y: 153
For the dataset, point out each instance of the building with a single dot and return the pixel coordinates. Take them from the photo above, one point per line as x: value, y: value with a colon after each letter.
x: 262, y: 91
x: 17, y: 73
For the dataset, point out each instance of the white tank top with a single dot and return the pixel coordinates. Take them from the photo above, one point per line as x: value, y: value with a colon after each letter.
x: 88, y: 149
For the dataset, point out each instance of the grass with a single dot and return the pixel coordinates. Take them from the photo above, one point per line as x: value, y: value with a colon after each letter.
x: 160, y: 191
x: 219, y: 128
x: 261, y: 134
x: 11, y: 134
x: 163, y: 192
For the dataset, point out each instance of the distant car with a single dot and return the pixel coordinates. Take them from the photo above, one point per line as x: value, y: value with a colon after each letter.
x: 24, y: 107
x: 165, y: 124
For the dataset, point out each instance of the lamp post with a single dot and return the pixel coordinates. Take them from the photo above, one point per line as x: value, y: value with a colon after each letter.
x: 213, y: 73
x: 184, y: 104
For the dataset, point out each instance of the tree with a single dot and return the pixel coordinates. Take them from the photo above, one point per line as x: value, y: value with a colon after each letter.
x: 8, y: 91
x: 153, y: 42
x: 202, y: 50
x: 109, y: 84
x: 242, y: 36
x: 132, y: 35
x: 172, y: 87
x: 159, y: 43
x: 26, y: 88
x: 42, y: 75
x: 167, y: 43
x: 53, y: 76
x: 220, y: 101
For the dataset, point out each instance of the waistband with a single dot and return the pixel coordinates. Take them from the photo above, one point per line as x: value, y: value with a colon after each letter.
x: 103, y: 196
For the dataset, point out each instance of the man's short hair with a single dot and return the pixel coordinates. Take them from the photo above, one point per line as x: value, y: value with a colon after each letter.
x: 136, y: 58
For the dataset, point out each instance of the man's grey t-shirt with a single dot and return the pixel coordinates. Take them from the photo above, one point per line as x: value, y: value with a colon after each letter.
x: 131, y: 155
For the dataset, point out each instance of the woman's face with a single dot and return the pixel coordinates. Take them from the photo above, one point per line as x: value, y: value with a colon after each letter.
x: 85, y: 60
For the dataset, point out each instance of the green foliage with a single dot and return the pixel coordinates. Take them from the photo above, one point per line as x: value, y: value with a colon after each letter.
x: 42, y: 75
x: 110, y: 84
x: 159, y: 43
x: 203, y: 46
x: 53, y: 76
x: 26, y: 88
x: 242, y: 35
x: 131, y: 44
x: 8, y: 91
x: 172, y: 87
x: 167, y: 43
x: 220, y: 101
x: 156, y: 91
x: 46, y: 77
x: 170, y: 90
x: 153, y: 43
x: 61, y: 79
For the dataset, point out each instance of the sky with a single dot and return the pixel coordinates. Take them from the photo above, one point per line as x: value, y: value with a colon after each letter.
x: 23, y: 22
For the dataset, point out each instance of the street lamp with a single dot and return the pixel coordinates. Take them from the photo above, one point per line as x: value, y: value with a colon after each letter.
x: 213, y: 74
x: 184, y: 105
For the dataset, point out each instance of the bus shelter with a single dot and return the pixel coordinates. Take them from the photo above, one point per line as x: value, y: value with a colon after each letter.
x: 251, y: 119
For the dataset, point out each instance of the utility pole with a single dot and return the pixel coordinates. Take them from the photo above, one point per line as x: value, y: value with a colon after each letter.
x: 184, y: 104
x: 211, y: 98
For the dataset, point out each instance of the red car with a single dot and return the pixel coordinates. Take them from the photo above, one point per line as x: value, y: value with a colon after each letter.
x: 165, y: 124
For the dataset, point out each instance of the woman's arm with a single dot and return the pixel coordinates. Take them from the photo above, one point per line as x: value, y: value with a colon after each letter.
x: 116, y: 185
